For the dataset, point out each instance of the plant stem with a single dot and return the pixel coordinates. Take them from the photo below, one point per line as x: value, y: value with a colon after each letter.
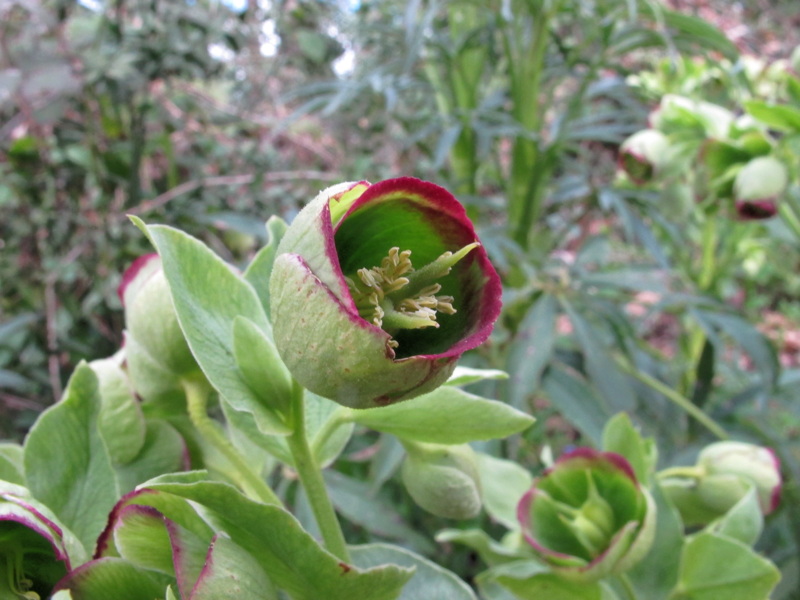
x: 630, y: 593
x: 196, y: 399
x: 311, y: 477
x: 673, y: 396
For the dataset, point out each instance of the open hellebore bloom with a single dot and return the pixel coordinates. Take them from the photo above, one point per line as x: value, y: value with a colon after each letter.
x: 758, y: 186
x: 378, y: 289
x: 587, y: 516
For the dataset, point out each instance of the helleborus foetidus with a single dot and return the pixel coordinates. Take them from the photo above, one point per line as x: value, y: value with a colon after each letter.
x: 588, y: 516
x: 378, y: 289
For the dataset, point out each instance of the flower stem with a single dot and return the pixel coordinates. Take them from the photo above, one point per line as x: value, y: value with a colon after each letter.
x: 630, y: 593
x: 311, y: 477
x: 196, y: 400
x: 673, y: 396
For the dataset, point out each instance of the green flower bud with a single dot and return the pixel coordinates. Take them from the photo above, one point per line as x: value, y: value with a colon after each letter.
x: 724, y: 473
x: 588, y: 517
x: 643, y: 155
x: 756, y: 465
x: 443, y: 480
x: 378, y: 289
x: 758, y: 186
x: 157, y: 354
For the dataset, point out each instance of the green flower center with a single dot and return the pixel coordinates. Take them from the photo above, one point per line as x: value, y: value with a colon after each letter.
x: 13, y: 582
x: 592, y: 523
x: 396, y: 296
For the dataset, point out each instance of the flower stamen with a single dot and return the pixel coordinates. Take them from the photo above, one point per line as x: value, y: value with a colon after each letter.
x: 396, y: 296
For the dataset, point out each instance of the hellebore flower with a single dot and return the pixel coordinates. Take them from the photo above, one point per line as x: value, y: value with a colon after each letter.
x: 758, y: 186
x: 33, y: 555
x: 643, y: 155
x: 724, y: 473
x: 156, y: 352
x: 587, y: 516
x: 442, y: 479
x: 378, y: 289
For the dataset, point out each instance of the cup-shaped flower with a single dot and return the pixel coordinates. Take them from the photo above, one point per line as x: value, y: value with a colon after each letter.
x: 378, y: 289
x: 758, y: 187
x: 643, y: 155
x: 587, y: 516
x: 444, y: 480
x: 33, y: 555
x: 156, y: 352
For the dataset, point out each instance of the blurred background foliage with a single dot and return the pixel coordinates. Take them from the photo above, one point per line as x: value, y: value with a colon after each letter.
x: 212, y: 116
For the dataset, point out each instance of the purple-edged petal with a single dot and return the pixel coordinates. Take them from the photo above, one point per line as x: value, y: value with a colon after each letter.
x: 587, y: 516
x: 135, y: 275
x: 320, y: 334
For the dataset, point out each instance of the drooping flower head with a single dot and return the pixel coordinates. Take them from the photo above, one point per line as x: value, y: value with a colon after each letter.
x: 378, y: 289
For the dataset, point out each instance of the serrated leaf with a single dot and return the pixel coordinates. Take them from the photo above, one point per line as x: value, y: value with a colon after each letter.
x: 447, y: 415
x: 67, y: 465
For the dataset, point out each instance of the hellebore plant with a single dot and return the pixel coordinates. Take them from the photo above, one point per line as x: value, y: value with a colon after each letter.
x: 588, y: 516
x: 395, y: 287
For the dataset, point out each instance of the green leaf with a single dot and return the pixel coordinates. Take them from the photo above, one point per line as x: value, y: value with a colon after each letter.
x: 700, y: 32
x: 743, y: 522
x: 621, y: 436
x: 601, y: 370
x: 429, y: 580
x: 232, y: 574
x: 467, y: 375
x: 714, y: 566
x: 67, y: 465
x: 261, y: 366
x: 121, y: 421
x: 531, y: 350
x: 447, y: 415
x: 11, y: 465
x: 503, y: 483
x: 208, y: 297
x: 163, y: 451
x: 577, y: 402
x: 529, y: 580
x: 259, y: 270
x: 115, y: 578
x: 656, y: 574
x: 776, y: 116
x: 490, y: 551
x: 290, y: 557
